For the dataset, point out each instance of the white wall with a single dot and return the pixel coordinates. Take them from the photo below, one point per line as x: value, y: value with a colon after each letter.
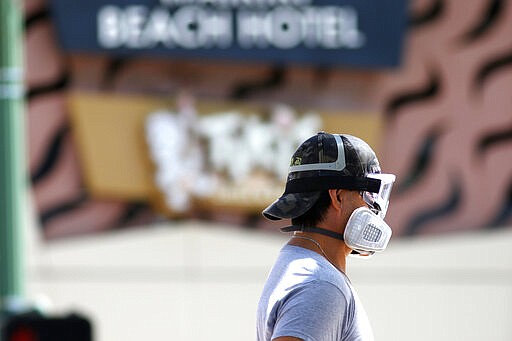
x: 455, y: 287
x: 197, y: 282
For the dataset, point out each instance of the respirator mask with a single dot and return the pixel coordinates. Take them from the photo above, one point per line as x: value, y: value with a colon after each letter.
x: 366, y: 231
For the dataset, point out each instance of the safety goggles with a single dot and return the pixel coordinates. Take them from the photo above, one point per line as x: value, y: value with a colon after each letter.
x: 378, y: 202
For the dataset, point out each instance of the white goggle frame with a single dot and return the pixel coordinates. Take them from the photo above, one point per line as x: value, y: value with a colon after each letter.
x: 379, y: 202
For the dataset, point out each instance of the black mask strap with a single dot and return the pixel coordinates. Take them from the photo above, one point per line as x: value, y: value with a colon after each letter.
x: 313, y: 229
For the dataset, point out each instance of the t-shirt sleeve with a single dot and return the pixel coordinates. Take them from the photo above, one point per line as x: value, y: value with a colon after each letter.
x: 314, y: 312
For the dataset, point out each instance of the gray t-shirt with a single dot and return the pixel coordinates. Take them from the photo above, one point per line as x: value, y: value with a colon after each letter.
x: 306, y: 297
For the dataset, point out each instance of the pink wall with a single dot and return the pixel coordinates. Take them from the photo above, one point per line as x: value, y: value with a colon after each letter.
x: 447, y: 111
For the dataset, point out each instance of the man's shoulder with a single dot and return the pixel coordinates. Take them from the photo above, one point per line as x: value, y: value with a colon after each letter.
x: 327, y: 289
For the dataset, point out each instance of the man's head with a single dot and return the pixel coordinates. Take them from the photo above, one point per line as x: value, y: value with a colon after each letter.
x: 333, y: 171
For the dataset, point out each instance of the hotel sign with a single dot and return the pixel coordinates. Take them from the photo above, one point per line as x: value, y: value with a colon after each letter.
x: 329, y: 32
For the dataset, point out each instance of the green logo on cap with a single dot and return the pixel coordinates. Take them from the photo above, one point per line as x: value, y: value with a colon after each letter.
x: 296, y: 161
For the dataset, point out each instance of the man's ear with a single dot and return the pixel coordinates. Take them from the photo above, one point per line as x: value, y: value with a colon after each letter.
x: 336, y: 198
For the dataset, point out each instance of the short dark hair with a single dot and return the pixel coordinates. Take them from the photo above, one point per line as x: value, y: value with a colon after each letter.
x: 316, y: 213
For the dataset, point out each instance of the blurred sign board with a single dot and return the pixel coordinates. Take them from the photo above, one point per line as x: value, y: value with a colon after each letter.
x: 363, y: 33
x: 179, y: 155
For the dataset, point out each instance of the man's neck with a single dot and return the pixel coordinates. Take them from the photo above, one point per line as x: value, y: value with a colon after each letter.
x: 334, y: 250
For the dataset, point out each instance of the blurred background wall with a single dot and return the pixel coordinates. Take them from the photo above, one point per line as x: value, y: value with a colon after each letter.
x: 199, y: 281
x: 440, y: 121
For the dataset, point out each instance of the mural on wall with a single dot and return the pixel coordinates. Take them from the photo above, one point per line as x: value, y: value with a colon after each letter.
x: 448, y: 115
x: 442, y: 122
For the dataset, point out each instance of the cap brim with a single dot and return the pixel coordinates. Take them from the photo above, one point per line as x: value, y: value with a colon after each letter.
x: 291, y: 205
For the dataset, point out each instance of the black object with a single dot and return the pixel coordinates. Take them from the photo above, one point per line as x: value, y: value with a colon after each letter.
x: 34, y: 327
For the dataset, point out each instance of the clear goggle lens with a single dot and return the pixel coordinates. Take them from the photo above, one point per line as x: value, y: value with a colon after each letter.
x: 379, y: 202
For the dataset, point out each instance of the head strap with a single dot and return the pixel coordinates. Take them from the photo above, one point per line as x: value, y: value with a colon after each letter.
x: 320, y: 183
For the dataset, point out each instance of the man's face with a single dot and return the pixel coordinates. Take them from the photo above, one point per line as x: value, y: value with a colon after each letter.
x: 351, y: 201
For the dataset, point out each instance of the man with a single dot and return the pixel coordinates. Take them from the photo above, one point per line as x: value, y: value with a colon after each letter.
x: 336, y: 198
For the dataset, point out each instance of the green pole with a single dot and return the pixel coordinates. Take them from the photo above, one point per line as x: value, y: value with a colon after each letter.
x: 12, y: 153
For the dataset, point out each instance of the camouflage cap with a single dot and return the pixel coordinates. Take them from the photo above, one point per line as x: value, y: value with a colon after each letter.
x: 319, y: 156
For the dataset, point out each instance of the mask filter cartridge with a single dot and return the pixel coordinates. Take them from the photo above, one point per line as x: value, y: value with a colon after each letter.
x: 366, y: 232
